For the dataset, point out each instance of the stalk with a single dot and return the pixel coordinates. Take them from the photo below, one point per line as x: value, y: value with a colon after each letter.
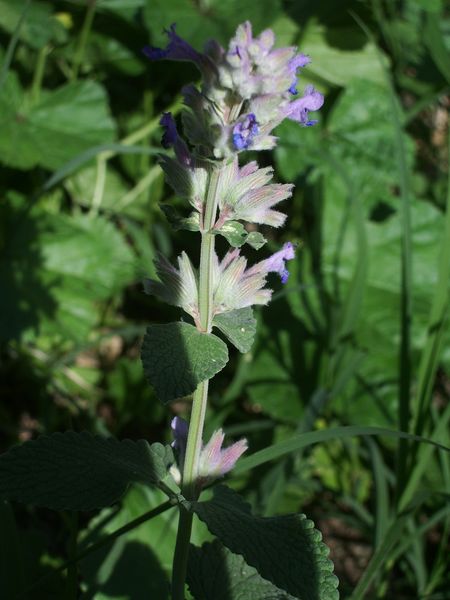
x: 200, y: 398
x: 85, y: 30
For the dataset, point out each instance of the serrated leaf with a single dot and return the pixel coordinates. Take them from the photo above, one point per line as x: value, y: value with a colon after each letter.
x: 215, y: 573
x: 177, y: 357
x: 64, y: 123
x: 287, y: 550
x: 79, y: 471
x: 191, y: 223
x: 239, y: 326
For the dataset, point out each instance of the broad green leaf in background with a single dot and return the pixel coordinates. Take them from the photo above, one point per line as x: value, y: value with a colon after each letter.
x: 219, y: 21
x: 55, y: 269
x: 239, y: 326
x: 62, y: 124
x: 215, y: 573
x: 39, y: 27
x: 79, y: 471
x: 177, y: 357
x: 286, y: 550
x: 364, y: 141
x: 333, y: 61
x: 276, y: 379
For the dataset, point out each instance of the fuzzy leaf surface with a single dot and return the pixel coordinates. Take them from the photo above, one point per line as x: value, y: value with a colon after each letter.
x: 215, y: 573
x: 239, y: 326
x: 177, y: 357
x: 236, y: 235
x: 287, y: 550
x: 79, y: 471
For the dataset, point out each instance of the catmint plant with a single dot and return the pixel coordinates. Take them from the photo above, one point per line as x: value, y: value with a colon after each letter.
x: 246, y: 91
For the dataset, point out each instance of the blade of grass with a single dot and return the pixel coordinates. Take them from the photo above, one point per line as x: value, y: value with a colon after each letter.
x: 419, y: 531
x: 107, y: 151
x: 423, y: 457
x: 436, y: 328
x: 303, y: 440
x: 382, y: 517
x: 12, y: 44
x: 380, y: 557
x: 94, y: 152
x: 435, y: 42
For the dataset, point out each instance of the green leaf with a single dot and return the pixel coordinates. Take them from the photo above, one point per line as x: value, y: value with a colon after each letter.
x: 191, y: 223
x: 11, y: 555
x: 239, y: 326
x: 256, y: 240
x: 336, y: 65
x: 297, y: 442
x: 39, y: 27
x: 79, y: 471
x: 286, y: 550
x: 64, y: 123
x: 236, y: 235
x: 215, y: 573
x: 234, y: 232
x: 177, y: 357
x: 220, y: 20
x: 68, y: 263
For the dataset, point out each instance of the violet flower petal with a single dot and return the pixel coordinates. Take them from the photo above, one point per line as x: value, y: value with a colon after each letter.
x: 245, y: 131
x: 298, y: 109
x: 176, y: 49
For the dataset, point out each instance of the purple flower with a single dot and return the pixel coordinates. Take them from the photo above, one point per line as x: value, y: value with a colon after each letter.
x: 235, y: 286
x: 276, y: 262
x: 297, y: 62
x: 216, y: 461
x: 170, y: 134
x: 180, y: 431
x: 245, y: 131
x: 176, y: 49
x: 298, y: 109
x: 171, y: 139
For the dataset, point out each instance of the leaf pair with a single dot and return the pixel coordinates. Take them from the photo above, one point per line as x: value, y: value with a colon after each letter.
x: 177, y: 357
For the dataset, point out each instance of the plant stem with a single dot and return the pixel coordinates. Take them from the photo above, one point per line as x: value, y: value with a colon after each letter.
x: 39, y: 73
x: 86, y: 28
x: 194, y: 442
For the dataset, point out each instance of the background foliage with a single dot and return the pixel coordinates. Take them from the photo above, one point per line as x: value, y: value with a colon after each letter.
x: 357, y: 338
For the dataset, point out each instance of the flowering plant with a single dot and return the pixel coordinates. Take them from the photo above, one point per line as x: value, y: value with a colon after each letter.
x: 246, y: 91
